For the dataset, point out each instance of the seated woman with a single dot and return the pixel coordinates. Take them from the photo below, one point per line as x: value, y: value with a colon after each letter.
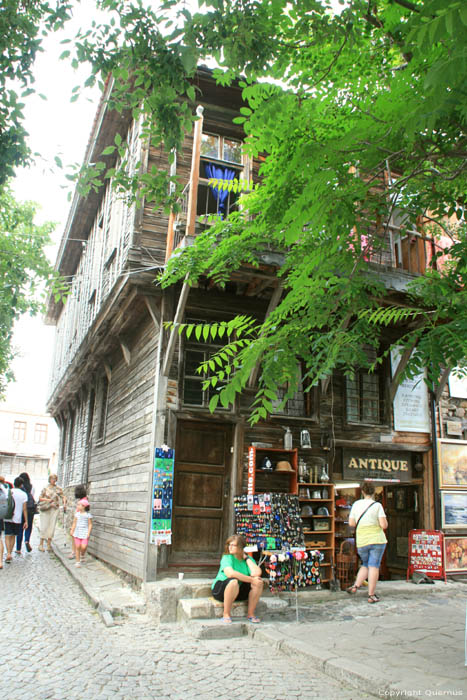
x: 238, y: 578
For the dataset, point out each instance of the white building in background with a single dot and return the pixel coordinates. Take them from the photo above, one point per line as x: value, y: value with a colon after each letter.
x: 28, y: 443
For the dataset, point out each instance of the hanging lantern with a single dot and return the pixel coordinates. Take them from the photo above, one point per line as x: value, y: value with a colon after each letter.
x: 305, y: 441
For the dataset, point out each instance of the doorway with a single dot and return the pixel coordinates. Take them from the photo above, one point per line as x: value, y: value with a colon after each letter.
x: 201, y: 492
x: 402, y: 506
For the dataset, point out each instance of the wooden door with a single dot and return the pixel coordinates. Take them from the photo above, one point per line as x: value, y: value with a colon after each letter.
x: 201, y: 491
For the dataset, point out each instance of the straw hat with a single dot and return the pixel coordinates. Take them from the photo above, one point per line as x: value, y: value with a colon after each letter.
x: 284, y: 466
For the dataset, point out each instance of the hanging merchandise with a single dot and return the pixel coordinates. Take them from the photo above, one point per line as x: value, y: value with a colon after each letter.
x: 290, y: 570
x: 271, y: 521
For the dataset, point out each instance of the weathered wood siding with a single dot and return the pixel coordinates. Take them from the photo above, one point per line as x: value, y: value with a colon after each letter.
x: 119, y: 466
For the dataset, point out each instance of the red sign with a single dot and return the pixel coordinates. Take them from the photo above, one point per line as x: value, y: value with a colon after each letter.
x: 426, y: 553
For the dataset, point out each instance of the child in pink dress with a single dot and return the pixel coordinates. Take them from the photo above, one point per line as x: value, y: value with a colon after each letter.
x: 81, y: 529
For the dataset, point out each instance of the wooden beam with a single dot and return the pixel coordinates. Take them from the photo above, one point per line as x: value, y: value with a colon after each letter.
x: 194, y: 176
x: 442, y: 383
x: 126, y: 351
x: 275, y: 298
x: 108, y: 371
x: 173, y: 333
x: 154, y: 310
x: 403, y: 362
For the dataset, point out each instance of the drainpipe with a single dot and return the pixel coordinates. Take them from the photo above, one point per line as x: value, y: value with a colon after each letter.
x: 434, y: 440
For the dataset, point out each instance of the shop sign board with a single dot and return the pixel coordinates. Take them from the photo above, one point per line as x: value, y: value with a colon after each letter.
x: 369, y: 464
x: 411, y: 401
x: 426, y: 553
x: 163, y: 478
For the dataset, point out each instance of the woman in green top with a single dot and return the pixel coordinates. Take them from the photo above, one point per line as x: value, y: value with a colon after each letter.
x: 238, y: 578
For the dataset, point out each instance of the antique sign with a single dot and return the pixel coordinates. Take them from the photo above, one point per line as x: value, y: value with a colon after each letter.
x: 411, y: 401
x: 369, y: 464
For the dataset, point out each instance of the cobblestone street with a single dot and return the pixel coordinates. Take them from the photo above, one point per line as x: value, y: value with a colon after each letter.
x: 58, y: 648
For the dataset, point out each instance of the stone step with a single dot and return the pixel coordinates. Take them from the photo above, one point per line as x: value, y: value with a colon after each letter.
x: 208, y: 609
x: 215, y: 629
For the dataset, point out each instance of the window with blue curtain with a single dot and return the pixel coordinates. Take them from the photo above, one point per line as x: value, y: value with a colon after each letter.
x: 220, y: 172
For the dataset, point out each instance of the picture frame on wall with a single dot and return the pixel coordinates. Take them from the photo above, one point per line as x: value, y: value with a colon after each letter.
x: 455, y: 554
x: 454, y: 510
x: 452, y: 459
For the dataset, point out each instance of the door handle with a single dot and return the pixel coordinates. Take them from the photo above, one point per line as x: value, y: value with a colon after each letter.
x: 226, y: 488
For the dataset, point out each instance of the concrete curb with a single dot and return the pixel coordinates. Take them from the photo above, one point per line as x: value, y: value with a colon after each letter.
x: 341, y: 669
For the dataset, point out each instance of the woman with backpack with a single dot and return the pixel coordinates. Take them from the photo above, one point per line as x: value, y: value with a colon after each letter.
x: 31, y: 508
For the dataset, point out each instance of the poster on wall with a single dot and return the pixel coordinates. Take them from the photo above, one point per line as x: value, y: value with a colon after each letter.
x: 163, y: 477
x: 411, y: 401
x: 457, y: 386
x: 452, y: 458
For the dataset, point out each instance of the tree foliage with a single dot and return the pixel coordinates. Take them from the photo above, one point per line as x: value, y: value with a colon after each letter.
x: 24, y: 271
x: 334, y: 100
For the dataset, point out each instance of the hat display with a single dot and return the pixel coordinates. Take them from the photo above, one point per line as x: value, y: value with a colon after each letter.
x: 322, y: 510
x: 306, y: 512
x: 284, y: 466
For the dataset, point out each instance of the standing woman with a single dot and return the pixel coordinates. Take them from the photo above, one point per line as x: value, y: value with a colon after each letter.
x: 238, y: 578
x: 369, y: 519
x: 31, y: 511
x: 49, y: 504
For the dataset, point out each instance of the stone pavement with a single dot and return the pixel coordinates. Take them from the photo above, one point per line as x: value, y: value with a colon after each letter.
x: 410, y: 644
x: 54, y: 646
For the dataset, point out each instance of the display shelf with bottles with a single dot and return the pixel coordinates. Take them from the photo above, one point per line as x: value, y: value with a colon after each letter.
x: 317, y: 513
x: 268, y: 471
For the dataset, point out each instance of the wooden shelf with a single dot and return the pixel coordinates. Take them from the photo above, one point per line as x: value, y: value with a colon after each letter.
x: 318, y: 500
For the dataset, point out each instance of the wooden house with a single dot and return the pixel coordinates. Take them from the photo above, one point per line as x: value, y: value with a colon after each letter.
x: 122, y: 384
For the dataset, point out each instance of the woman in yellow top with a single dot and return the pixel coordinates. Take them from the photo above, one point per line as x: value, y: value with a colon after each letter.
x: 238, y: 578
x: 368, y: 516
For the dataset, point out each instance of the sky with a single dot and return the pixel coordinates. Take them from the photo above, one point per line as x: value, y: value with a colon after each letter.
x: 55, y: 127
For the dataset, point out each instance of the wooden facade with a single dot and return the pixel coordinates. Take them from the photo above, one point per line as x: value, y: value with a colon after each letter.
x: 120, y: 381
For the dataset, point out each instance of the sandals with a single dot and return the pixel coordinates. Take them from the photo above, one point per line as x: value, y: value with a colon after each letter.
x: 253, y: 619
x: 352, y: 589
x: 373, y: 599
x: 41, y: 548
x: 227, y: 620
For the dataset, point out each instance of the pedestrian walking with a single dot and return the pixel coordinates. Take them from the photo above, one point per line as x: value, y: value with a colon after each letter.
x: 16, y: 523
x: 31, y: 507
x: 4, y: 488
x: 81, y: 529
x: 80, y: 492
x: 370, y: 522
x: 49, y: 504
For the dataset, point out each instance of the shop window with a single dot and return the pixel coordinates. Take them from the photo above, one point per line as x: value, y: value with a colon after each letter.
x: 40, y: 433
x: 19, y: 431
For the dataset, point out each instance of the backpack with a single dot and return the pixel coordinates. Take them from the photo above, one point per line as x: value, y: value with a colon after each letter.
x: 31, y: 504
x: 7, y: 505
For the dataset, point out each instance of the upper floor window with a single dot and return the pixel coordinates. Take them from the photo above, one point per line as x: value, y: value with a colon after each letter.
x: 19, y: 431
x: 40, y: 433
x: 364, y: 396
x: 193, y: 393
x: 102, y: 401
x: 221, y: 148
x: 221, y: 159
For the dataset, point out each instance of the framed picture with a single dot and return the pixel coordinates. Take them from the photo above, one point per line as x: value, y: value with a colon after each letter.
x: 455, y: 554
x: 454, y: 510
x: 452, y: 457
